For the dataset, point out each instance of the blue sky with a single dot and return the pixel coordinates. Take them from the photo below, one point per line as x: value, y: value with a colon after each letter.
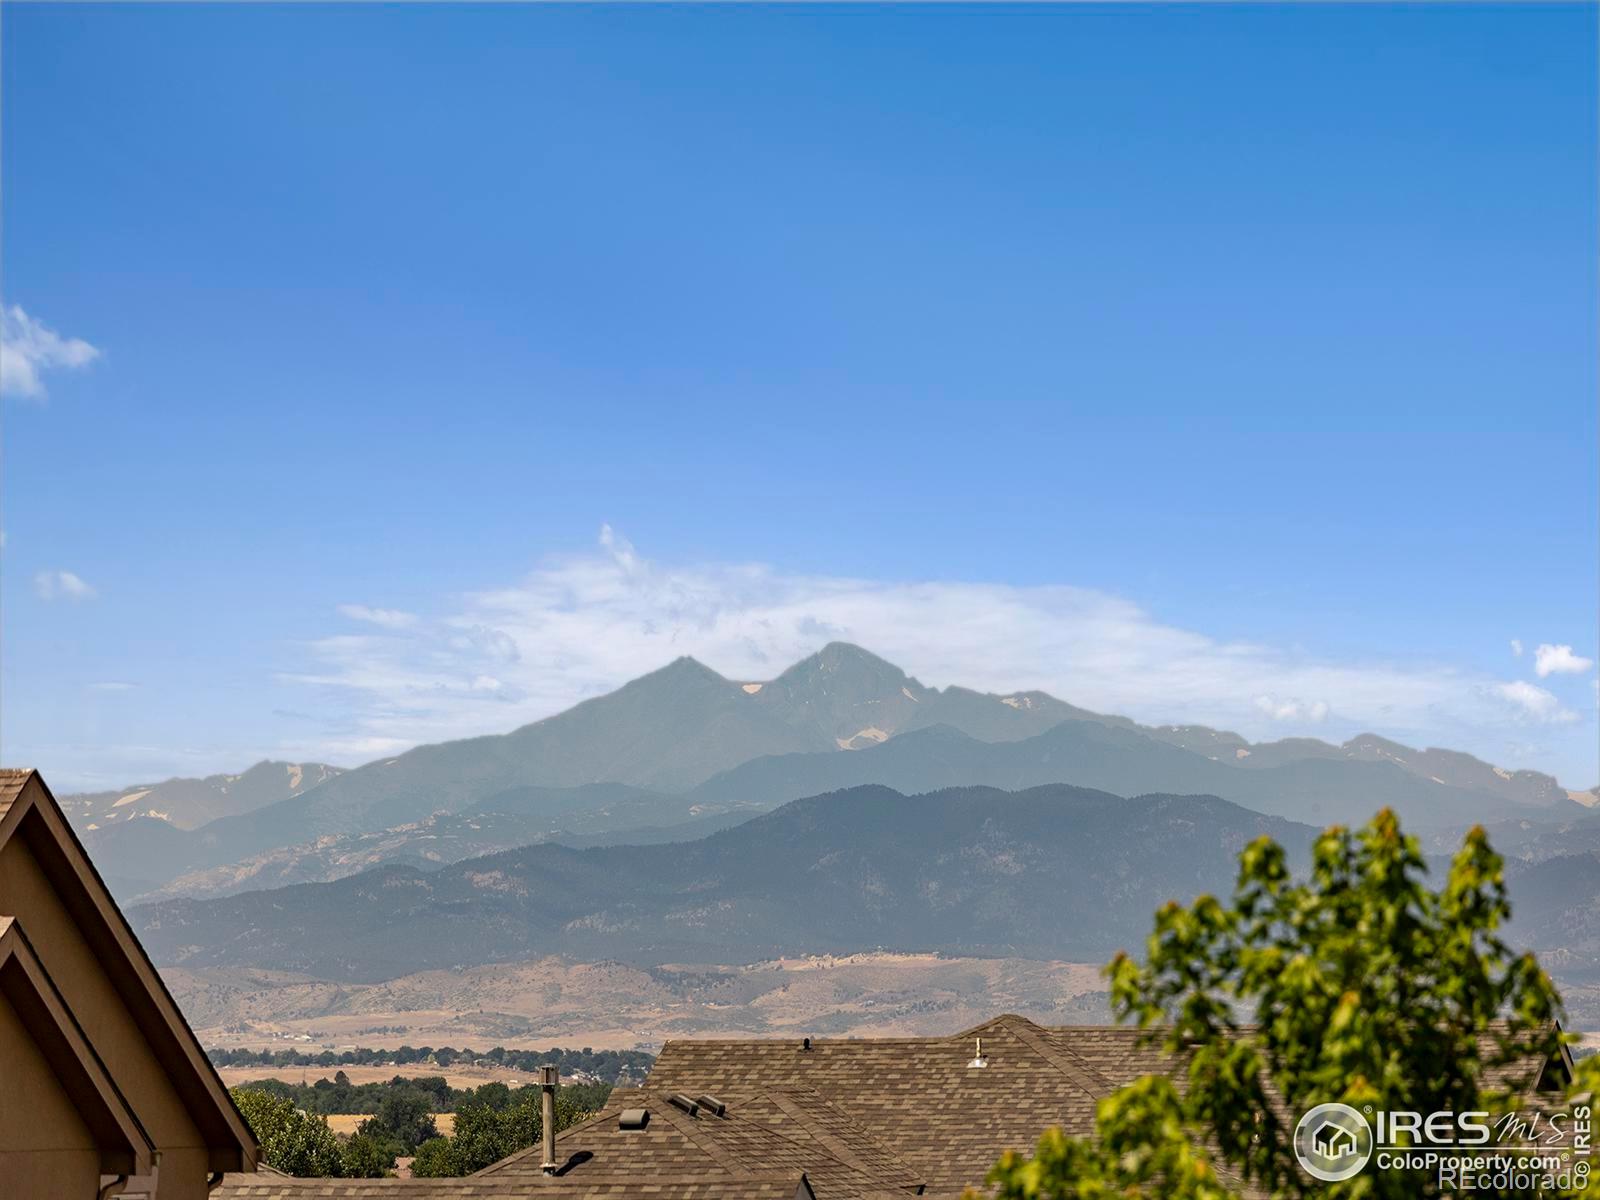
x: 1227, y: 364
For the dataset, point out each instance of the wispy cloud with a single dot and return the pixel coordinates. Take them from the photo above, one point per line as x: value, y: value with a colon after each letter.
x: 1516, y: 647
x: 1532, y: 702
x: 581, y: 625
x: 389, y: 618
x: 29, y: 348
x: 64, y: 585
x: 1558, y: 660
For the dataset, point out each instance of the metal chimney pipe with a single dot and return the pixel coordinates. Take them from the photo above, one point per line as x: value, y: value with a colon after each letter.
x: 549, y: 1080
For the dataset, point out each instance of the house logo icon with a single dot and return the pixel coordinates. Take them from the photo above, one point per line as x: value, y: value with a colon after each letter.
x: 1332, y: 1142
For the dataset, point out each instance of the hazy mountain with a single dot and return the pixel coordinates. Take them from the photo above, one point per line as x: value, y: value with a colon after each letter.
x: 190, y: 803
x: 686, y: 731
x: 1530, y: 840
x: 842, y: 697
x: 850, y: 699
x: 666, y: 731
x: 593, y: 815
x: 1449, y: 767
x: 1054, y: 872
x: 1124, y: 761
x: 1556, y: 913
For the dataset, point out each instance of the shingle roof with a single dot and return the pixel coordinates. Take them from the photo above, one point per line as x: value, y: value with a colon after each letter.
x: 794, y: 1134
x: 11, y: 784
x: 770, y: 1185
x: 946, y: 1121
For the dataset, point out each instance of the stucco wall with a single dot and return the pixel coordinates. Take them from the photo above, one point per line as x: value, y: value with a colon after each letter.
x: 45, y: 1148
x: 26, y: 893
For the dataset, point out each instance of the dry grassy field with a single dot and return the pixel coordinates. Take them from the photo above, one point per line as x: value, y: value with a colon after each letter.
x: 347, y: 1123
x: 555, y: 1002
x: 455, y: 1076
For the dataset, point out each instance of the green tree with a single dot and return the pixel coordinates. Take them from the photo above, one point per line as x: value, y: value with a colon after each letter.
x: 485, y: 1134
x: 293, y: 1141
x: 405, y: 1116
x: 362, y: 1157
x: 1359, y: 983
x: 436, y: 1159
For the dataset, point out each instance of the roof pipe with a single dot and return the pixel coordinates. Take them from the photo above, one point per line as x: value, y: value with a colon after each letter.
x: 549, y: 1080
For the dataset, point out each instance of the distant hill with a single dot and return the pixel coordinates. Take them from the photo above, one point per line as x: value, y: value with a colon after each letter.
x: 1556, y: 912
x: 598, y: 814
x: 1529, y: 840
x: 1053, y: 872
x: 701, y: 745
x: 1123, y: 760
x: 1448, y: 767
x: 190, y: 803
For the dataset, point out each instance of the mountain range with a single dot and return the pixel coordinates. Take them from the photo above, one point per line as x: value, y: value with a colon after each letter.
x: 695, y: 746
x: 1053, y: 872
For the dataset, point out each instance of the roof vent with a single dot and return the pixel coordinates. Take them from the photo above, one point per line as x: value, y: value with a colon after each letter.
x: 679, y: 1100
x: 978, y: 1058
x: 633, y: 1118
x: 712, y: 1105
x: 805, y: 1043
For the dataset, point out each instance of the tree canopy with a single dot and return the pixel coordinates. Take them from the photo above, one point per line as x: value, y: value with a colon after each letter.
x: 1358, y: 984
x: 484, y: 1133
x: 300, y: 1143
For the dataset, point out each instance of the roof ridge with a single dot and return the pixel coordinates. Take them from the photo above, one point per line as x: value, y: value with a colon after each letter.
x: 836, y: 1146
x: 1062, y: 1058
x: 684, y: 1124
x: 842, y: 1154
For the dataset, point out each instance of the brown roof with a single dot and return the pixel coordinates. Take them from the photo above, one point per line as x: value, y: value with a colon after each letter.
x: 797, y: 1133
x: 11, y: 785
x: 946, y: 1120
x: 770, y: 1185
x: 29, y: 811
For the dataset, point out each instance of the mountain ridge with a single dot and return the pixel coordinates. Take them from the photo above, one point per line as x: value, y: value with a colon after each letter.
x: 962, y: 870
x: 681, y: 729
x: 188, y: 802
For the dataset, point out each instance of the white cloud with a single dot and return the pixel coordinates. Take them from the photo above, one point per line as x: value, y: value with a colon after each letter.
x: 29, y: 348
x: 1516, y: 647
x: 51, y: 585
x: 1292, y: 709
x: 1558, y: 660
x: 584, y: 624
x: 389, y: 618
x: 1532, y: 702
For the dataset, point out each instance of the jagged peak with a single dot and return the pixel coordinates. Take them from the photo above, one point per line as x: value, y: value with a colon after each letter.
x: 682, y: 667
x: 836, y: 656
